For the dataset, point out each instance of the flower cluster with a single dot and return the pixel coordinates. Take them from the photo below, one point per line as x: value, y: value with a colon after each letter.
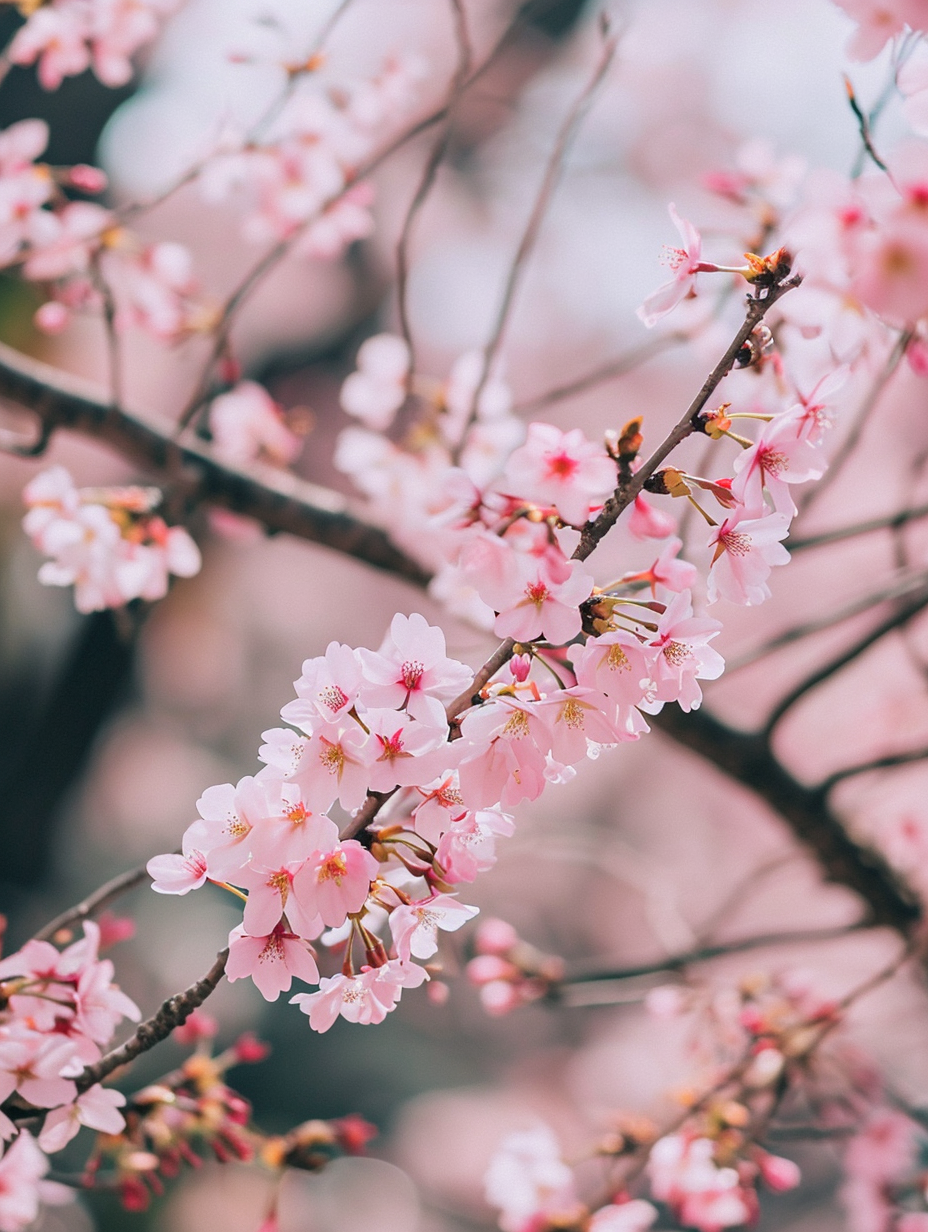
x: 58, y: 1008
x: 106, y: 542
x: 508, y: 971
x: 67, y: 37
x: 296, y: 178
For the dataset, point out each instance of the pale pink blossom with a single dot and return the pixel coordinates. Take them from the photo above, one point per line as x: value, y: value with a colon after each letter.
x: 468, y: 846
x: 272, y: 962
x: 633, y: 1216
x: 55, y: 35
x: 334, y: 883
x: 32, y: 1066
x: 579, y: 715
x: 745, y: 550
x: 562, y: 469
x: 270, y: 895
x: 530, y: 1184
x: 532, y: 602
x: 442, y: 804
x: 877, y: 22
x: 406, y: 752
x: 415, y: 925
x: 63, y: 243
x: 347, y: 219
x: 648, y: 522
x: 504, y: 743
x: 782, y: 455
x: 683, y: 654
x: 246, y: 423
x: 685, y: 263
x: 98, y: 1108
x: 179, y: 874
x: 335, y: 765
x: 21, y: 1186
x: 667, y: 571
x: 330, y: 683
x: 413, y: 671
x: 364, y: 998
x: 377, y: 389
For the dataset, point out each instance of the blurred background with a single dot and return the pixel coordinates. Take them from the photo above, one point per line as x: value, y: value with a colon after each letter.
x: 109, y: 735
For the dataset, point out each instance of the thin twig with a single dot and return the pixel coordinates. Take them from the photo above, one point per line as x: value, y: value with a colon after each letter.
x: 797, y: 633
x: 553, y: 169
x: 906, y: 612
x: 706, y: 953
x: 877, y: 763
x: 436, y: 156
x: 891, y: 521
x: 608, y: 371
x: 173, y: 1013
x: 93, y: 903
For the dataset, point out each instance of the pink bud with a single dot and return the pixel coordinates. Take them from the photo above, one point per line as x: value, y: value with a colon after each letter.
x: 489, y: 967
x: 87, y: 179
x: 495, y: 937
x: 779, y: 1174
x: 115, y: 928
x: 52, y: 318
x: 499, y: 997
x: 520, y: 666
x: 249, y: 1049
x: 199, y: 1026
x: 668, y: 1001
x: 438, y: 992
x: 917, y: 355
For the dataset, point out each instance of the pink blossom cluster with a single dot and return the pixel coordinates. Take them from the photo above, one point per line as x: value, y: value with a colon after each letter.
x: 508, y: 971
x: 534, y: 1190
x: 297, y: 178
x: 58, y: 1009
x: 81, y: 252
x: 878, y: 21
x: 105, y: 542
x: 67, y: 37
x: 885, y: 1189
x: 247, y: 424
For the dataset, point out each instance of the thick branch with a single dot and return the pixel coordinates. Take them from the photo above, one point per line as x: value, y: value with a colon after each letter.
x: 747, y: 758
x: 173, y: 1013
x: 281, y: 502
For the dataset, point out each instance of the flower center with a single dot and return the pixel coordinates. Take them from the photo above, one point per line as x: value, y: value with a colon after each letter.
x: 333, y: 697
x: 617, y: 660
x: 516, y: 725
x: 736, y: 542
x: 333, y: 867
x: 676, y: 653
x: 412, y: 674
x: 561, y: 466
x: 537, y: 593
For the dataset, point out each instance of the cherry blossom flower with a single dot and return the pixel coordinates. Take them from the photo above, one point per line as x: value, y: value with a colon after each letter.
x: 334, y: 883
x: 684, y: 655
x: 246, y: 423
x: 529, y: 1182
x: 21, y: 1186
x: 504, y: 743
x: 179, y: 874
x: 335, y: 765
x: 746, y: 549
x: 406, y: 752
x: 615, y: 663
x: 270, y: 894
x: 377, y: 389
x: 468, y: 846
x: 562, y: 469
x: 532, y: 602
x: 684, y: 1174
x: 415, y: 925
x: 364, y: 998
x: 271, y: 962
x: 576, y: 716
x: 97, y: 1108
x: 877, y: 22
x: 632, y: 1216
x: 685, y: 263
x: 781, y: 456
x: 647, y: 522
x: 330, y: 683
x: 412, y: 670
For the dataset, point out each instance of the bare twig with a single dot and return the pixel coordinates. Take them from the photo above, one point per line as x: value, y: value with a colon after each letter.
x: 904, y: 586
x: 907, y: 611
x: 892, y: 521
x: 608, y: 371
x: 553, y: 169
x: 93, y: 903
x: 429, y: 172
x: 173, y: 1013
x: 705, y: 953
x: 877, y: 763
x: 746, y: 757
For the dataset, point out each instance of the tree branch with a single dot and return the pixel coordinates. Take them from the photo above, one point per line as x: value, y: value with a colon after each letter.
x: 877, y: 763
x: 280, y: 501
x: 903, y: 614
x: 173, y: 1013
x: 93, y: 902
x: 705, y: 953
x: 747, y: 758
